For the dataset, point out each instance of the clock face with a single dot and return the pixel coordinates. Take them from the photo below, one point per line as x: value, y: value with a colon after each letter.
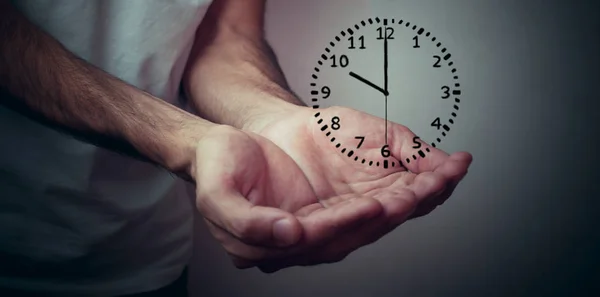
x: 393, y: 69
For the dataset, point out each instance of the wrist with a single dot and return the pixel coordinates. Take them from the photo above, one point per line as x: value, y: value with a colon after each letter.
x: 181, y: 156
x: 171, y: 140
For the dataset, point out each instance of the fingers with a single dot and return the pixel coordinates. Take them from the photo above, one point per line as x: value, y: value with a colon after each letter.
x: 397, y: 205
x: 419, y: 156
x: 427, y: 184
x: 453, y: 170
x: 251, y: 224
x: 327, y: 223
x: 455, y: 166
x: 318, y: 228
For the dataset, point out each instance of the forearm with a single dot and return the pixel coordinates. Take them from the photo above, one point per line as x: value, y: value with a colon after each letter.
x: 48, y: 82
x: 233, y: 76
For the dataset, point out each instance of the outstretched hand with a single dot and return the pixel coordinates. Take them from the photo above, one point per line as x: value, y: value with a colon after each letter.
x: 258, y: 203
x: 402, y: 192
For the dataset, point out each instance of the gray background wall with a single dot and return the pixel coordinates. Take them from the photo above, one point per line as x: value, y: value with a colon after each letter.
x: 523, y: 221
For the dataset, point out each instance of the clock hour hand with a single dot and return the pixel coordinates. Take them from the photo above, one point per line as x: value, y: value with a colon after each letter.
x: 365, y: 81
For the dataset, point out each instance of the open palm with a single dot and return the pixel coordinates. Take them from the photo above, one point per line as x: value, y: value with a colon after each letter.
x: 335, y: 176
x: 403, y: 192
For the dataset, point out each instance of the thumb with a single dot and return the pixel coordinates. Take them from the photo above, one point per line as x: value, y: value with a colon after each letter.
x: 249, y: 223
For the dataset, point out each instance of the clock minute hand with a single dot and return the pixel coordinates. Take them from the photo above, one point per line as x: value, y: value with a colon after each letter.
x: 365, y: 81
x: 385, y: 65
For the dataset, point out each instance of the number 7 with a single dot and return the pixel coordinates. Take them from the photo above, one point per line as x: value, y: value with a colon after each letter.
x: 362, y: 139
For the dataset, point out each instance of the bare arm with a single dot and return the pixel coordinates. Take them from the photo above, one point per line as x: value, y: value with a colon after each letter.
x: 43, y: 80
x: 233, y: 76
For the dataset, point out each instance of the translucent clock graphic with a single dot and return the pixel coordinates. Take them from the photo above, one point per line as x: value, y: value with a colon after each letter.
x: 393, y: 69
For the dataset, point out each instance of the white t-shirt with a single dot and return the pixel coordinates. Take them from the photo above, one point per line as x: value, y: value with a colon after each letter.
x: 76, y: 219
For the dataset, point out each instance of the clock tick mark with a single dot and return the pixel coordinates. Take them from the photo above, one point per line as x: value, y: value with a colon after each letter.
x: 350, y: 153
x: 400, y: 22
x: 315, y: 106
x: 427, y: 149
x: 377, y: 20
x: 343, y: 33
x: 422, y: 154
x: 456, y: 92
x: 438, y: 44
x: 450, y: 63
x: 356, y: 27
x: 317, y: 69
x: 451, y: 121
x: 457, y: 100
x: 453, y: 70
x: 317, y: 114
x: 377, y: 164
x: 332, y: 44
x: 314, y: 76
x: 338, y: 145
x: 370, y: 163
x: 343, y: 150
x: 323, y: 56
x: 337, y: 38
x: 324, y: 127
x: 363, y: 161
x: 438, y: 140
x: 363, y: 23
x: 456, y: 107
x: 314, y: 85
x: 370, y: 21
x: 414, y: 27
x: 385, y: 163
x: 327, y: 50
x: 320, y: 121
x: 407, y: 161
x: 446, y: 57
x: 385, y: 22
x: 420, y: 31
x: 332, y: 139
x: 427, y: 34
x: 444, y: 134
x: 327, y: 134
x: 356, y: 158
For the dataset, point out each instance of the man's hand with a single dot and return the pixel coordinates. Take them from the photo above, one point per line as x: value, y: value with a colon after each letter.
x: 233, y: 78
x: 403, y: 193
x: 260, y: 206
